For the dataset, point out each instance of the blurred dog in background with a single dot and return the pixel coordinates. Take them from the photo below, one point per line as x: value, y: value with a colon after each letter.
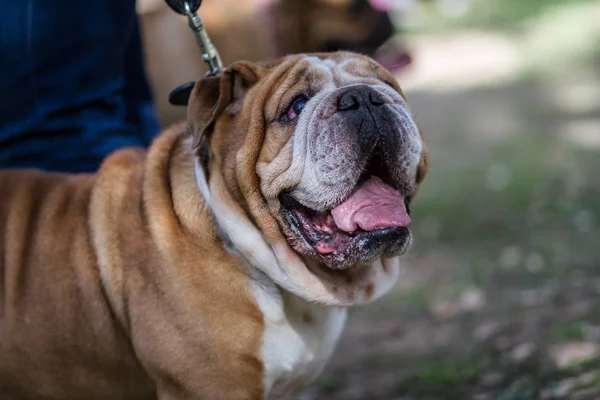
x: 255, y: 30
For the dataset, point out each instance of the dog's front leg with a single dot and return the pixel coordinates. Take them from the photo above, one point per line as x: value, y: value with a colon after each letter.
x: 190, y: 363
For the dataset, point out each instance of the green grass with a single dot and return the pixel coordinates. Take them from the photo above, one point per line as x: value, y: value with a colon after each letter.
x: 546, y: 207
x: 327, y: 384
x: 570, y: 331
x: 436, y: 372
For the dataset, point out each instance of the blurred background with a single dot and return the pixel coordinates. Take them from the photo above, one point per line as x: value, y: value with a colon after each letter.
x: 500, y: 295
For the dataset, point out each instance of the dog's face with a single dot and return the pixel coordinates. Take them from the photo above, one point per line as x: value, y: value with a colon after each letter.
x: 319, y: 149
x: 346, y: 163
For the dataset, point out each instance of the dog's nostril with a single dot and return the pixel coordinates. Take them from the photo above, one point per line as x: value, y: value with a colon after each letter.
x: 348, y: 101
x: 353, y: 99
x: 376, y: 99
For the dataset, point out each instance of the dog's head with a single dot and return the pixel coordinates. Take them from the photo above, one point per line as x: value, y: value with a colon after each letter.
x: 309, y: 164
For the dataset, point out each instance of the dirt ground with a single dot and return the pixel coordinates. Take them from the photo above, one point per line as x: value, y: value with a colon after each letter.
x: 500, y: 296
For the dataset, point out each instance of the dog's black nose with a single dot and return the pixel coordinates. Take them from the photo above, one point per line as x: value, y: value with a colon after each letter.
x: 354, y: 98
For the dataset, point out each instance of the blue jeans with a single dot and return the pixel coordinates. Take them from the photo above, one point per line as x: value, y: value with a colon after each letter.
x: 72, y: 83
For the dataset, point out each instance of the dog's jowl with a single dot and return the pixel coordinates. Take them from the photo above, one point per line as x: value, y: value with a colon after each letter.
x: 219, y: 263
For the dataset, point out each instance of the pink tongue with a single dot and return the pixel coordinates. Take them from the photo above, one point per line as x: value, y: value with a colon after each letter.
x: 373, y: 205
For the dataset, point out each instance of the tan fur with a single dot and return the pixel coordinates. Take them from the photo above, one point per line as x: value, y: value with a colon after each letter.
x: 112, y: 282
x: 150, y: 277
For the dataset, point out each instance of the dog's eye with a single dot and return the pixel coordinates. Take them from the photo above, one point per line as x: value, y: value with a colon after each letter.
x: 296, y: 107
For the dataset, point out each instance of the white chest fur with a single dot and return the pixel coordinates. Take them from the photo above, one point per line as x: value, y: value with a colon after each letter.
x: 298, y: 340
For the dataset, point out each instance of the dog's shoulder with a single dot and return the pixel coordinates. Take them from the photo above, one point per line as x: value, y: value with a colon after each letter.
x: 124, y: 159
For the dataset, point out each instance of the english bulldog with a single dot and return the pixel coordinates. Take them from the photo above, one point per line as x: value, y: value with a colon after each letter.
x: 219, y: 263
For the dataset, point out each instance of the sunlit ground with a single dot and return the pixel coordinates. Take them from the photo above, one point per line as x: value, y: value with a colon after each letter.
x: 500, y: 296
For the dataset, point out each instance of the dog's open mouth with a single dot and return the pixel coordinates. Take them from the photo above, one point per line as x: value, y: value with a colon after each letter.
x: 374, y: 215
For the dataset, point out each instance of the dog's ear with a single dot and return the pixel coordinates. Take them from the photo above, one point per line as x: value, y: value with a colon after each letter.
x: 212, y: 96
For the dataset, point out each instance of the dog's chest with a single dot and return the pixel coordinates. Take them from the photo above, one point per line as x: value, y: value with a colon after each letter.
x: 298, y: 340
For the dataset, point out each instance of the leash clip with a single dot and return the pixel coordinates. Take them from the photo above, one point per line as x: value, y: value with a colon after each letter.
x: 209, y: 53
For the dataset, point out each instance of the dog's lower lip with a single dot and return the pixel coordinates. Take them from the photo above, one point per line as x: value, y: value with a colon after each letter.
x: 331, y: 245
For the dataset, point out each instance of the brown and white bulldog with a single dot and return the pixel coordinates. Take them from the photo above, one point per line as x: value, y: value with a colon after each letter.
x: 218, y: 264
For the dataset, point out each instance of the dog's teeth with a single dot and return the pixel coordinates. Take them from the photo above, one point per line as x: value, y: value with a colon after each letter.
x: 330, y: 220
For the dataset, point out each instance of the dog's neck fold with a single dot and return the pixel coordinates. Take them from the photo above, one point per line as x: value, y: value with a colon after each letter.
x: 267, y: 250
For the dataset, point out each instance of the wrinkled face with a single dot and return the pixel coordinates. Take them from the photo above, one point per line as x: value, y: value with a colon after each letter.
x: 341, y: 160
x: 314, y: 156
